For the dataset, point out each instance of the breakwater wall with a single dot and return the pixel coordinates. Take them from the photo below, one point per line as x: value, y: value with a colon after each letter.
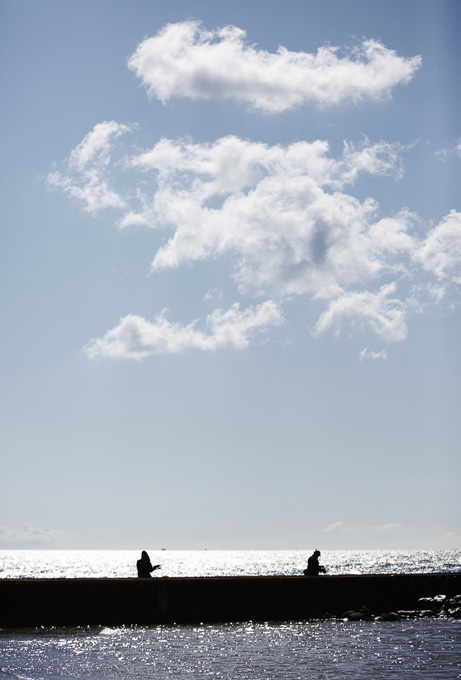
x: 115, y: 602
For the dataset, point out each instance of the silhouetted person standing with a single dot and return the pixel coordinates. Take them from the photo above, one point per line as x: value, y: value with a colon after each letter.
x: 144, y: 566
x: 313, y: 566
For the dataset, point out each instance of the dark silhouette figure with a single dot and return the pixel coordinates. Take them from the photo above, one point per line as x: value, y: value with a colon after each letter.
x: 313, y: 566
x: 144, y: 566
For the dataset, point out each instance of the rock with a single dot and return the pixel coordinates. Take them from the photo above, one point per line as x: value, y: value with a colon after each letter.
x: 354, y: 616
x: 408, y: 613
x: 440, y: 598
x: 431, y: 602
x: 388, y: 616
x: 452, y: 602
x: 362, y: 614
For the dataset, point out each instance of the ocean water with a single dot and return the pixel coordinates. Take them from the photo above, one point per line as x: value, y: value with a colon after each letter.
x: 307, y: 650
x: 122, y: 563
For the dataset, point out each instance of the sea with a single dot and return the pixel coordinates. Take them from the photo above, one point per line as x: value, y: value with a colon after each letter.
x: 247, y: 650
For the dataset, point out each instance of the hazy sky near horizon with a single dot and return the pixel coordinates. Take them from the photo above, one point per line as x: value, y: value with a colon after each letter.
x: 231, y: 266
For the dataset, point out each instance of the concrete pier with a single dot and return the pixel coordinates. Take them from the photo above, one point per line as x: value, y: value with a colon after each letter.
x: 115, y: 602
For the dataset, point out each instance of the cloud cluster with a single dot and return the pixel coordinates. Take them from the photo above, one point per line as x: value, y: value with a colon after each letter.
x: 186, y: 60
x: 29, y: 536
x: 284, y: 217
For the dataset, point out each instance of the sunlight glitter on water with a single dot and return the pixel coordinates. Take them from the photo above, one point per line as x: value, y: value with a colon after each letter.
x: 122, y: 563
x: 315, y: 650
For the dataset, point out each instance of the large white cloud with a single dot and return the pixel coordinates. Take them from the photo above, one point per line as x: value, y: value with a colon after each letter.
x: 278, y: 209
x: 286, y: 222
x: 185, y: 60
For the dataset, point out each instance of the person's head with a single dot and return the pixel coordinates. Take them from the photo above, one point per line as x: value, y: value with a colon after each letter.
x: 317, y: 553
x: 144, y: 555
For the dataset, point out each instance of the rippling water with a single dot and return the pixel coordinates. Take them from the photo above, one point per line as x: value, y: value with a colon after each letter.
x: 307, y: 650
x: 122, y: 563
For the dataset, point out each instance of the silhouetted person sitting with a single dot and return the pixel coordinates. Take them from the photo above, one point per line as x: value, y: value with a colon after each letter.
x: 144, y: 566
x: 313, y: 566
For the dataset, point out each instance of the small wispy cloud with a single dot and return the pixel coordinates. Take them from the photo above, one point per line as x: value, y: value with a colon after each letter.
x: 392, y: 526
x: 453, y: 149
x: 369, y: 354
x: 213, y: 294
x: 85, y: 178
x: 448, y: 541
x: 333, y: 527
x: 29, y: 537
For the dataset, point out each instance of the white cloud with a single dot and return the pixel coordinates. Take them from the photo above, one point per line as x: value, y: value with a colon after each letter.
x: 453, y: 149
x: 185, y: 60
x: 87, y: 163
x: 440, y: 252
x: 333, y: 527
x: 272, y: 207
x: 213, y: 294
x: 447, y: 541
x: 392, y: 234
x: 137, y: 338
x: 285, y: 221
x: 376, y: 159
x: 369, y: 354
x: 392, y: 526
x: 282, y: 217
x: 366, y: 311
x: 95, y: 147
x: 93, y: 192
x: 29, y: 536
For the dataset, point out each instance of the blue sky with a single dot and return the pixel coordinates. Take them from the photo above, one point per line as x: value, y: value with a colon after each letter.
x: 231, y: 264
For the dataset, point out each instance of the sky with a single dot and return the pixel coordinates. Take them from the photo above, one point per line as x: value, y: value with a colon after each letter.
x: 230, y: 274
